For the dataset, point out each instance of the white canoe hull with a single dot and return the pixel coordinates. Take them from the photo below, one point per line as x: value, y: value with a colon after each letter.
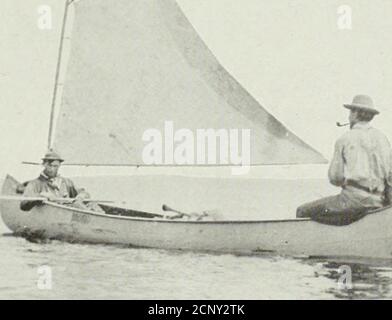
x: 368, y: 237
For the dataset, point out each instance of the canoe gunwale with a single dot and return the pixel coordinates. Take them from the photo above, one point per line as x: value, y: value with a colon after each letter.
x: 167, y: 220
x: 97, y: 214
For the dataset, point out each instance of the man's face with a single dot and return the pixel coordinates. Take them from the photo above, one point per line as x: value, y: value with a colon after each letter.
x: 353, y: 117
x: 51, y: 168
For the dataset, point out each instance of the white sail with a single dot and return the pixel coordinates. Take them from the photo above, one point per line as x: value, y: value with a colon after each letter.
x: 135, y: 64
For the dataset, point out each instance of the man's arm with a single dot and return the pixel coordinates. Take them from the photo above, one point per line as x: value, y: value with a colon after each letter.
x: 32, y: 190
x: 336, y: 168
x: 388, y: 182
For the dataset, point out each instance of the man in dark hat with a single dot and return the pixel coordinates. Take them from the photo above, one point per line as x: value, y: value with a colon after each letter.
x: 361, y: 166
x: 50, y: 185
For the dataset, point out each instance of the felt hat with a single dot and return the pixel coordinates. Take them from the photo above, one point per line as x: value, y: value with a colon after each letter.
x: 362, y: 102
x: 51, y: 155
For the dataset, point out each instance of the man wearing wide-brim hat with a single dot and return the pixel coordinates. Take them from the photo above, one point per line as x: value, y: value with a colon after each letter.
x: 51, y: 185
x: 361, y: 166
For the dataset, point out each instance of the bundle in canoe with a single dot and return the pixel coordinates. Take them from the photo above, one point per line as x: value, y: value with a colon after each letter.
x: 368, y: 237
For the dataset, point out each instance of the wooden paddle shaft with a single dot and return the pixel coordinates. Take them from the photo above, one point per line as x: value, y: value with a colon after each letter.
x: 22, y: 198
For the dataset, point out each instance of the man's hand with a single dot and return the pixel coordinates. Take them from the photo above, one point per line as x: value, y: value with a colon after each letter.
x: 82, y: 196
x: 387, y: 199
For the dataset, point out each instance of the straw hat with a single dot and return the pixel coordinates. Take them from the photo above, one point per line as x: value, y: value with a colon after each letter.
x: 362, y: 102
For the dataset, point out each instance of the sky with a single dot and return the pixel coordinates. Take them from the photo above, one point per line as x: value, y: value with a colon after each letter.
x: 290, y: 55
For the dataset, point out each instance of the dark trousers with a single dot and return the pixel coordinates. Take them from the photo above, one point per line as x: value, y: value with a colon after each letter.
x: 334, y: 210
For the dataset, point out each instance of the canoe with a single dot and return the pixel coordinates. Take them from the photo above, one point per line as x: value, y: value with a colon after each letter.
x: 369, y: 237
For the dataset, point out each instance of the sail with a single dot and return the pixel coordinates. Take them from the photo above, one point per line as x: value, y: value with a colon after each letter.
x: 138, y: 65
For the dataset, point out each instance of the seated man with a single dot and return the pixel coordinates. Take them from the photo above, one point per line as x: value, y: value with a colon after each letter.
x: 50, y: 185
x: 361, y: 166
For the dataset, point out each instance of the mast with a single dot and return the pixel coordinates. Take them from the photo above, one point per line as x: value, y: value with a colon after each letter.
x: 57, y: 76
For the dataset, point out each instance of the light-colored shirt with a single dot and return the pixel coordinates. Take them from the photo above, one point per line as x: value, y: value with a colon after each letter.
x: 363, y: 155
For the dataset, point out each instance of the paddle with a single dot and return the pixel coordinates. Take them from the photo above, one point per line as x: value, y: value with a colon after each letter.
x: 199, y: 216
x: 63, y: 200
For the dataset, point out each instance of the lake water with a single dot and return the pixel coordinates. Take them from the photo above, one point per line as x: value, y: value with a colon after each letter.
x: 113, y: 272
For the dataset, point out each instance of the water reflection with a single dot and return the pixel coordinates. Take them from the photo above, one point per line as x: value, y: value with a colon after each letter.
x: 116, y: 272
x: 367, y: 279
